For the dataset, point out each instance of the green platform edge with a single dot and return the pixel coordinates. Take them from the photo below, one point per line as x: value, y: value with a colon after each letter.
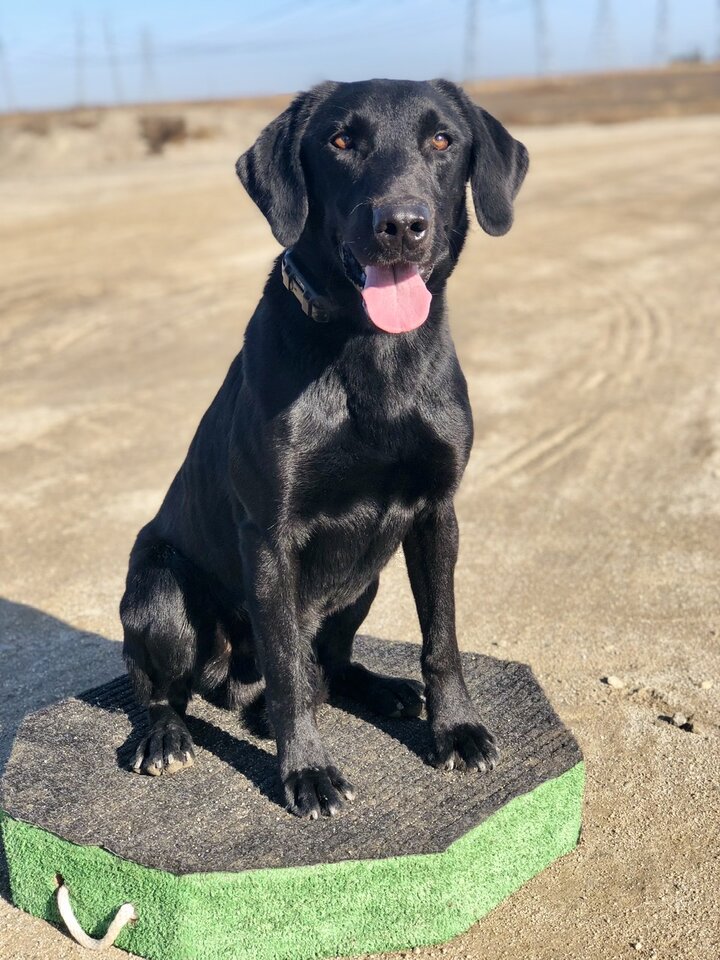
x: 302, y: 913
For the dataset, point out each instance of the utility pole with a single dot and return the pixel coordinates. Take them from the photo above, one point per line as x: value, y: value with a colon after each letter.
x: 79, y: 59
x: 542, y: 55
x: 661, y: 33
x: 472, y: 15
x: 111, y: 52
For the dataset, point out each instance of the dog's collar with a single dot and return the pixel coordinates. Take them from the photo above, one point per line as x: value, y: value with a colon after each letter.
x: 304, y: 293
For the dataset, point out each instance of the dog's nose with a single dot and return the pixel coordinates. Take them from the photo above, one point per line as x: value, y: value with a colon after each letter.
x: 401, y: 224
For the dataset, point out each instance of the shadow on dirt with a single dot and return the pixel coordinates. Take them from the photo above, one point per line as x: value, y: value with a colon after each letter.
x: 43, y: 660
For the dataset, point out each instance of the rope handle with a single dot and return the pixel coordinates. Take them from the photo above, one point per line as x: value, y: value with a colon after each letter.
x: 125, y: 914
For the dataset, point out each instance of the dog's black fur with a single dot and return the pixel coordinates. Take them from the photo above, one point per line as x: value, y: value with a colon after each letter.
x: 328, y: 445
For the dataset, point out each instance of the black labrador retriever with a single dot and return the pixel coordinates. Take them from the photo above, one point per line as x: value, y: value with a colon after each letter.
x: 342, y: 430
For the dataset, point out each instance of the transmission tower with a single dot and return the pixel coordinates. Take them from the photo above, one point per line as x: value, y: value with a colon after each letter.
x: 472, y: 16
x: 147, y: 56
x: 79, y: 60
x: 661, y: 33
x: 7, y: 83
x: 113, y: 64
x: 604, y: 38
x: 542, y: 53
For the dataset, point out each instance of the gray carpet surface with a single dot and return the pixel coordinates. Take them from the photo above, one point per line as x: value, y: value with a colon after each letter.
x: 68, y: 773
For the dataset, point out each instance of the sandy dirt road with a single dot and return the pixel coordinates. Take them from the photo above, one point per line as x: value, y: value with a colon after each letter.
x: 590, y: 512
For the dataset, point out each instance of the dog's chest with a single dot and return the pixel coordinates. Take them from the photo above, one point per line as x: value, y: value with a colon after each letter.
x: 355, y: 495
x: 352, y: 472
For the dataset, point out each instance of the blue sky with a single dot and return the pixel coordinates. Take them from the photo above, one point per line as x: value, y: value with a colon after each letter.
x: 218, y: 48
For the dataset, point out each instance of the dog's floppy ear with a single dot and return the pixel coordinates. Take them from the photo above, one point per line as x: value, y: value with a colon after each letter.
x: 271, y: 170
x: 498, y: 164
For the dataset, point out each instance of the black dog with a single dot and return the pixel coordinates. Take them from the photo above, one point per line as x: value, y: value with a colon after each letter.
x: 341, y: 431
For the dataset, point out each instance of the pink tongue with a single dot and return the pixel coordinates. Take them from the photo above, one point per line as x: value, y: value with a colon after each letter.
x: 396, y: 298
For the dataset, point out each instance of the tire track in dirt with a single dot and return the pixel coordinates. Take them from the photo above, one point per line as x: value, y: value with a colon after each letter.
x: 639, y: 335
x: 543, y: 451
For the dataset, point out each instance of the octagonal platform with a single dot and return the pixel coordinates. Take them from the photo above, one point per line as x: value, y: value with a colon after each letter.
x: 215, y: 867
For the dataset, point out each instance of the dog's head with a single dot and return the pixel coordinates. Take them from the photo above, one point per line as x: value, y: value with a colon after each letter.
x: 371, y: 177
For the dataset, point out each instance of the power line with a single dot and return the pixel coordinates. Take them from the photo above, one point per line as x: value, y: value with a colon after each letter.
x: 181, y: 50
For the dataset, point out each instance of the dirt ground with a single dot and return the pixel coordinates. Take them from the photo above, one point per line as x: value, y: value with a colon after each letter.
x: 589, y: 514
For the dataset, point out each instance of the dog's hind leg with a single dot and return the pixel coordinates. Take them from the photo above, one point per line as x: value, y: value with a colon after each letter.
x: 164, y: 618
x: 384, y: 695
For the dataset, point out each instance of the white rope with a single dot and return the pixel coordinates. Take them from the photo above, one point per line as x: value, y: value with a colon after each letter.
x: 125, y: 914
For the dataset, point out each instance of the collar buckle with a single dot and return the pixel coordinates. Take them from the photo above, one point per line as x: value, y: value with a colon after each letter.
x: 303, y: 292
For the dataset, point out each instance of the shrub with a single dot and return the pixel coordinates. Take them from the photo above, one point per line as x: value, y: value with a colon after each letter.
x: 157, y: 131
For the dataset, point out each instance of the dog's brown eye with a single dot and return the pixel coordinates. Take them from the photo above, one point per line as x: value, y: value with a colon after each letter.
x: 342, y: 141
x: 441, y: 141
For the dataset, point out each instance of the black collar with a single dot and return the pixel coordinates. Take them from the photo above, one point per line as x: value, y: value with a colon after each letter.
x: 295, y: 282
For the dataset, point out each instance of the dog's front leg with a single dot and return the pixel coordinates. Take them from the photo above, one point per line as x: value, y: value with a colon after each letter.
x: 312, y: 783
x: 431, y: 549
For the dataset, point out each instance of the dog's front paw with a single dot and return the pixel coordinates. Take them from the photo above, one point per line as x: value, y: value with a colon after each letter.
x: 168, y: 748
x: 465, y: 745
x: 316, y: 791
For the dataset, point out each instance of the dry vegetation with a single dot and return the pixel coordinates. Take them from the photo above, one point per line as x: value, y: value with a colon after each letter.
x: 605, y: 98
x: 88, y: 138
x: 158, y: 131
